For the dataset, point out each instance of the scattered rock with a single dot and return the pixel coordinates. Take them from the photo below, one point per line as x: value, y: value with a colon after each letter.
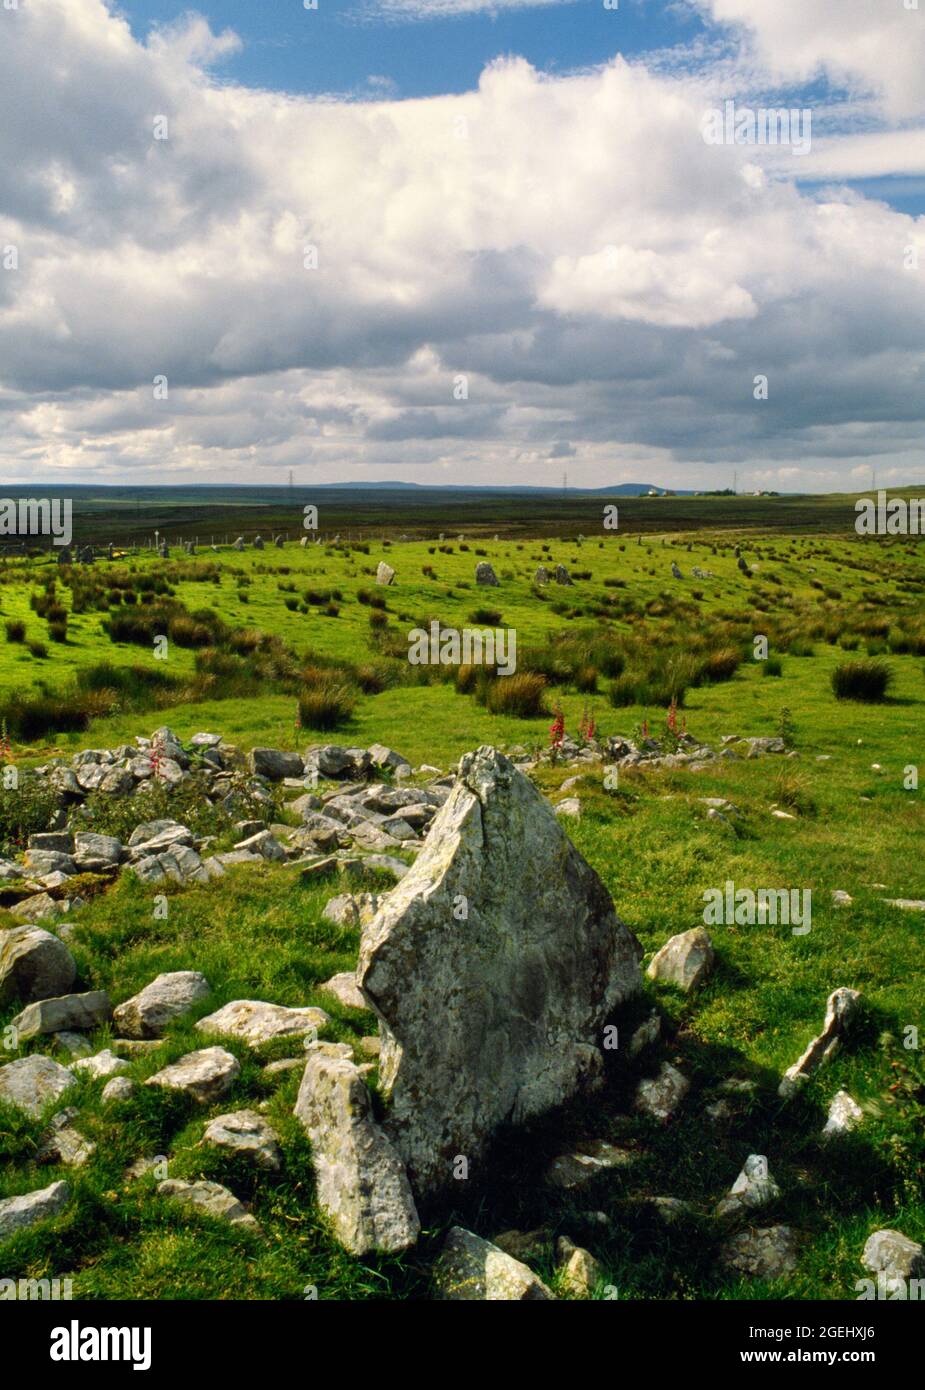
x: 361, y: 1184
x: 257, y: 1022
x: 581, y: 1272
x: 894, y: 1255
x: 34, y: 964
x: 470, y: 1269
x: 19, y: 1213
x: 102, y: 1065
x: 661, y: 1096
x: 211, y: 1199
x: 247, y: 1133
x: 275, y: 764
x: 768, y: 1253
x: 344, y: 987
x: 840, y: 1010
x: 646, y: 1034
x: 83, y: 1012
x: 149, y: 1013
x: 841, y: 899
x: 118, y: 1089
x: 571, y: 807
x: 754, y: 1187
x: 844, y: 1115
x: 572, y: 1170
x: 685, y: 960
x: 205, y: 1075
x: 352, y: 909
x: 32, y: 1082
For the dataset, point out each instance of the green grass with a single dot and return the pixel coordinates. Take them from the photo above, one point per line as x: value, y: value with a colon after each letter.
x: 262, y: 935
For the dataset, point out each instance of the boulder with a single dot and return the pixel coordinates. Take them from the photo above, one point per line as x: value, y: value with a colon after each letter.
x: 275, y: 764
x: 361, y: 1184
x: 352, y: 910
x: 685, y: 960
x: 34, y: 909
x: 384, y: 573
x: 82, y: 1012
x: 485, y: 575
x: 539, y: 954
x: 93, y: 853
x: 205, y: 1075
x: 894, y: 1255
x: 149, y: 1013
x: 30, y: 1083
x: 19, y: 1213
x: 34, y: 964
x: 257, y: 1022
x: 562, y: 575
x: 475, y: 1271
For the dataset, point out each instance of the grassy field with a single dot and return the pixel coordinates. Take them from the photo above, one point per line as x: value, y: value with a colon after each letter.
x: 619, y: 644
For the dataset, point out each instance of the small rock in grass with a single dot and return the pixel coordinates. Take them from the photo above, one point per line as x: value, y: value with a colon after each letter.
x: 246, y: 1133
x: 768, y: 1253
x: 212, y: 1199
x: 660, y: 1096
x: 473, y: 1270
x: 685, y: 960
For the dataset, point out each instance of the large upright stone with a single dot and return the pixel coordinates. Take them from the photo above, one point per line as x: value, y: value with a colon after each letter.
x: 384, y: 573
x: 485, y: 575
x: 492, y: 966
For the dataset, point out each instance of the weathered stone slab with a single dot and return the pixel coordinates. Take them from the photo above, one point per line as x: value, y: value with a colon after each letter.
x: 472, y: 1270
x: 361, y: 1182
x: 149, y: 1013
x: 493, y: 966
x: 34, y: 964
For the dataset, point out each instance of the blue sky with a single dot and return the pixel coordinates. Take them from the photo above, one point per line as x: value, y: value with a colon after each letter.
x: 344, y: 43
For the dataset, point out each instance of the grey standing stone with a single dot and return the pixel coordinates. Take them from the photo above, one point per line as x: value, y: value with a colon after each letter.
x: 384, y: 573
x: 521, y: 985
x: 485, y: 575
